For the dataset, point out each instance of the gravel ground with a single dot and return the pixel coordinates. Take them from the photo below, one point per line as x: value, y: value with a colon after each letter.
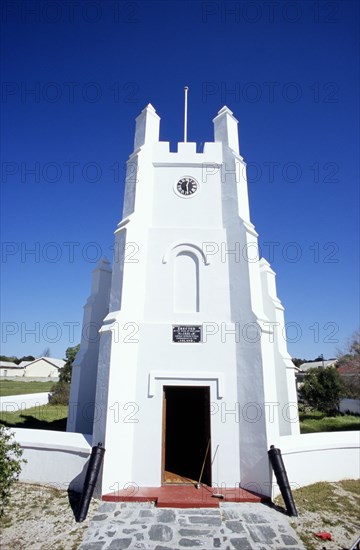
x: 328, y: 507
x: 41, y: 518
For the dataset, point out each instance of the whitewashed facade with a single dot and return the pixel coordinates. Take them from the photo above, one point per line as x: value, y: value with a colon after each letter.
x: 186, y: 264
x: 8, y: 369
x: 42, y: 367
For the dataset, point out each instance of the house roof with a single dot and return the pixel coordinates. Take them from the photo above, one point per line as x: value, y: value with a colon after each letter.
x: 58, y: 363
x: 8, y: 365
x: 317, y: 364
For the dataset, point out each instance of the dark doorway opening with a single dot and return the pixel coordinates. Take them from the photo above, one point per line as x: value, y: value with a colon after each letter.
x: 186, y: 435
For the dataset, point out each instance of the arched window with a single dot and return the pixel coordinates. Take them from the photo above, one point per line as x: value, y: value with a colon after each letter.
x: 186, y: 282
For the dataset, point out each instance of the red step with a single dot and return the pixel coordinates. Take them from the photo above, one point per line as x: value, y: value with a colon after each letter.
x: 184, y: 496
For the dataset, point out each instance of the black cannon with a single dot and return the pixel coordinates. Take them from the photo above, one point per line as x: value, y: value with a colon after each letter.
x: 96, y: 458
x: 282, y: 479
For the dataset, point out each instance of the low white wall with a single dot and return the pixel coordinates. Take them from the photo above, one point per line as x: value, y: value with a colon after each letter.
x: 60, y: 458
x: 56, y: 458
x: 14, y: 403
x: 11, y: 374
x: 351, y: 405
x: 329, y: 456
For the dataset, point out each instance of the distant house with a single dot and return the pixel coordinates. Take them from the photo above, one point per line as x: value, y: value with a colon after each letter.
x: 8, y: 368
x: 43, y: 367
x: 302, y: 369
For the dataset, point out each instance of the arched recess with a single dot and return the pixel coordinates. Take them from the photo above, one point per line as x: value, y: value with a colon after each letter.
x: 186, y: 247
x: 186, y: 282
x: 186, y: 261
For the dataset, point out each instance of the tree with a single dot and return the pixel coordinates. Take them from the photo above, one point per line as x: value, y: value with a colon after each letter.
x: 15, y: 359
x: 24, y: 358
x: 12, y: 358
x: 349, y: 365
x: 65, y: 372
x: 10, y: 465
x: 322, y: 389
x: 61, y: 390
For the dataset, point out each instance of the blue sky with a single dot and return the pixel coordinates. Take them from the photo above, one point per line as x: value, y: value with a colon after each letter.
x: 75, y: 76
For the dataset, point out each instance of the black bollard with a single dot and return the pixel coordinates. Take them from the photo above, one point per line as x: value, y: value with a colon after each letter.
x: 96, y: 458
x: 282, y: 479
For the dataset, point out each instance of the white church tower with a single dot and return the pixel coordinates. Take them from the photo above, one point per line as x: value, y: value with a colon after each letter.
x: 191, y: 367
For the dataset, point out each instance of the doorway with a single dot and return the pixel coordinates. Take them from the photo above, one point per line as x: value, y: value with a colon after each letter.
x: 186, y: 434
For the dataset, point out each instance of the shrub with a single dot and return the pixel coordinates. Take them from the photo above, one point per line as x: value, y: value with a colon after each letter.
x: 10, y: 465
x: 60, y: 394
x: 322, y: 389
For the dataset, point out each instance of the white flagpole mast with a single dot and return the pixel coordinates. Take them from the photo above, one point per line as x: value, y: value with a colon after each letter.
x: 185, y: 114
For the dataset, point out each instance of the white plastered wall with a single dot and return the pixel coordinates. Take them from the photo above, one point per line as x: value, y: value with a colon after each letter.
x: 136, y: 351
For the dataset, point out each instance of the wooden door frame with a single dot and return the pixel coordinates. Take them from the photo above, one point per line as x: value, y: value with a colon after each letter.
x: 163, y: 437
x: 164, y: 427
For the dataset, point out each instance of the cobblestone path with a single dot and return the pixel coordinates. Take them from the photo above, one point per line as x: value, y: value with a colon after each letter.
x: 243, y: 526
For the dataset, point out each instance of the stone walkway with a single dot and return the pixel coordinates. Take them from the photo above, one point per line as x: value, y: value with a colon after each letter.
x: 242, y: 526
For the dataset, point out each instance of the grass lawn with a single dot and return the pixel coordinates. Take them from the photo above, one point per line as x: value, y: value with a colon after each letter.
x: 316, y: 421
x: 15, y: 387
x: 53, y: 417
x: 43, y: 417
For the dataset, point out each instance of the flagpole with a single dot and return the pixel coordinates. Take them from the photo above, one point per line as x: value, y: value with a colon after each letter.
x: 185, y: 114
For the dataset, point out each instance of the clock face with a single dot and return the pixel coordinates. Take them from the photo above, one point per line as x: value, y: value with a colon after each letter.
x: 187, y: 186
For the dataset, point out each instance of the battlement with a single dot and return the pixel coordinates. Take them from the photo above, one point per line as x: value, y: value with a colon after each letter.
x: 148, y: 130
x: 186, y: 153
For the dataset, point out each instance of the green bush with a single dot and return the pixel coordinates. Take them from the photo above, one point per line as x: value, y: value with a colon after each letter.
x: 60, y: 394
x: 10, y: 465
x: 322, y: 389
